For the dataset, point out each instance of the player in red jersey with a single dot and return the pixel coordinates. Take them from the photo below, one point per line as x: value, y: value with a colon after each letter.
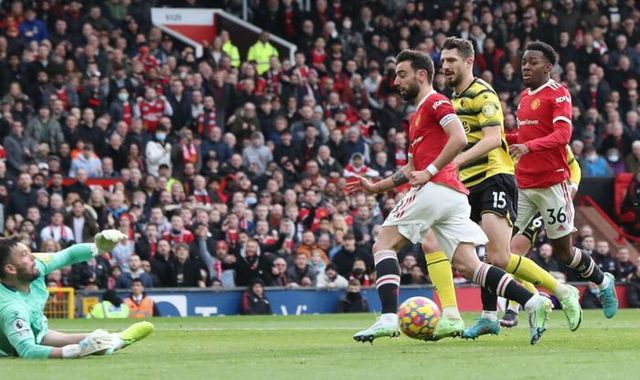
x: 544, y: 121
x: 437, y: 200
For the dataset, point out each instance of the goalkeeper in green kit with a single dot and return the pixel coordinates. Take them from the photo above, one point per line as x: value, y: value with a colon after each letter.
x: 23, y: 295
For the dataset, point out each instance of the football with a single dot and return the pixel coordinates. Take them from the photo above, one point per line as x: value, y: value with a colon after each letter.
x: 417, y: 317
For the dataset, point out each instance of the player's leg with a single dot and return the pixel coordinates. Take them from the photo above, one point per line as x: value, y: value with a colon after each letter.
x: 457, y: 233
x: 482, y: 200
x: 559, y: 225
x: 496, y: 205
x: 556, y: 208
x: 439, y: 268
x: 521, y: 243
x: 407, y: 222
x: 535, y: 201
x: 502, y: 284
x: 385, y: 256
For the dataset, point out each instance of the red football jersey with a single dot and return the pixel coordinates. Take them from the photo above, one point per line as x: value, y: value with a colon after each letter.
x: 185, y: 236
x: 151, y: 113
x: 427, y: 138
x: 544, y: 125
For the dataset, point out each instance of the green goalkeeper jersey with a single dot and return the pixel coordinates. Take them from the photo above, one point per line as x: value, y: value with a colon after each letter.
x: 23, y: 324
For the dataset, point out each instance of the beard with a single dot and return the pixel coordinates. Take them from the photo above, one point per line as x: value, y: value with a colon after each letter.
x: 454, y: 81
x: 411, y: 92
x: 28, y: 275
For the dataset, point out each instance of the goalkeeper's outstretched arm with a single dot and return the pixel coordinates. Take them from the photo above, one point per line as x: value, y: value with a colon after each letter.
x: 105, y: 241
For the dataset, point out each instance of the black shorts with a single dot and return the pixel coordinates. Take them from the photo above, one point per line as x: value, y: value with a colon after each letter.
x: 497, y: 195
x: 533, y: 229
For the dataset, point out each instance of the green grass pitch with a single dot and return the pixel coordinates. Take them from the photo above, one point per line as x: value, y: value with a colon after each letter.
x: 321, y: 347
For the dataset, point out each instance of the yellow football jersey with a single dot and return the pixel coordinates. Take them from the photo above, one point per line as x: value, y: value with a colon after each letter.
x: 477, y: 107
x: 575, y: 173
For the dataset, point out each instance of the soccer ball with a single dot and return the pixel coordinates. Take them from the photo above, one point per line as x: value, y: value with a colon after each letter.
x: 417, y: 317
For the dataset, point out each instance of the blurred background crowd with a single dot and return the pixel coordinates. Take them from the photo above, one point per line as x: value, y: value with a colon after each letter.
x: 231, y: 167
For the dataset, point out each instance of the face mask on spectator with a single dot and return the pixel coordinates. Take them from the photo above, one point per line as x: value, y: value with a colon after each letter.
x: 123, y: 96
x: 250, y: 201
x: 613, y: 157
x: 161, y: 136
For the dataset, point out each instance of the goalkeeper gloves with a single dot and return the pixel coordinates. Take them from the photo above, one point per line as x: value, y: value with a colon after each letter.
x: 93, y: 344
x: 106, y: 240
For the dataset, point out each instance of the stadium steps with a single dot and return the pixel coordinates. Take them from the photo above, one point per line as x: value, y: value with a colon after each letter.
x: 603, y: 229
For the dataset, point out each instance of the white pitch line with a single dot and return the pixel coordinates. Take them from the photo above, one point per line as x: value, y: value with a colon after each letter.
x: 236, y: 329
x: 200, y: 329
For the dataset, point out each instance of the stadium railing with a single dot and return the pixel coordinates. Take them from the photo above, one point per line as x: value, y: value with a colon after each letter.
x: 61, y: 303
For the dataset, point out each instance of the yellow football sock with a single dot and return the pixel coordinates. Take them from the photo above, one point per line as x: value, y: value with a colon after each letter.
x: 525, y: 269
x: 441, y: 276
x: 529, y: 286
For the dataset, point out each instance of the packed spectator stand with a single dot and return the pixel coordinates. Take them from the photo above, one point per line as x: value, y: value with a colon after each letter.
x: 231, y: 167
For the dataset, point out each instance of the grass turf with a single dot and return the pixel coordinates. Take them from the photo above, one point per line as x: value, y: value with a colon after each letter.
x: 321, y: 347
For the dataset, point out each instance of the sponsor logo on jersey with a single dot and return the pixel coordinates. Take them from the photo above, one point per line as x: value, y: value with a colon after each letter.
x: 438, y: 103
x: 462, y: 103
x: 535, y: 104
x: 417, y: 140
x: 527, y: 122
x: 563, y: 99
x: 466, y: 127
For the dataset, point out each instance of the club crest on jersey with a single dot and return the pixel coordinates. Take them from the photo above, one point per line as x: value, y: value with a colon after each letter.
x: 488, y: 110
x: 535, y: 104
x: 417, y: 120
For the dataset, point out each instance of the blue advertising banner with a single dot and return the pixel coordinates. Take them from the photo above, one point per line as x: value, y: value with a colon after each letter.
x: 283, y: 301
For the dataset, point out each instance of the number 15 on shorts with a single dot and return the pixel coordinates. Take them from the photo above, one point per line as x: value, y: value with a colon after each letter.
x: 499, y: 200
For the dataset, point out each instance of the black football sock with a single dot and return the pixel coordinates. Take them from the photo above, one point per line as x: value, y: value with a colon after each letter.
x: 586, y: 267
x: 388, y: 279
x: 500, y: 283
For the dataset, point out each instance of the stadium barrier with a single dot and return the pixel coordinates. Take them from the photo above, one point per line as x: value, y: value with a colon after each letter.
x: 61, y: 303
x: 209, y: 302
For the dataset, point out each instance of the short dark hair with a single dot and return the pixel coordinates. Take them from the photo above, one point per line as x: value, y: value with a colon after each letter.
x: 419, y: 61
x: 6, y: 246
x: 137, y: 280
x: 465, y: 47
x: 546, y: 49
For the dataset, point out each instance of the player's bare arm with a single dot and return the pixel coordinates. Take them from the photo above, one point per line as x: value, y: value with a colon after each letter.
x: 490, y: 141
x: 456, y: 142
x: 396, y: 179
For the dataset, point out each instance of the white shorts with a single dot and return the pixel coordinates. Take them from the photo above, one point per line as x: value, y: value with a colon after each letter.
x: 553, y: 203
x: 441, y: 209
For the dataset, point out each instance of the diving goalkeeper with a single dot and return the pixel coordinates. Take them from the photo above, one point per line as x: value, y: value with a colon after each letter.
x: 23, y: 294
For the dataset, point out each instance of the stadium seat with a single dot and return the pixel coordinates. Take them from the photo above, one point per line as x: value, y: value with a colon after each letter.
x: 620, y: 191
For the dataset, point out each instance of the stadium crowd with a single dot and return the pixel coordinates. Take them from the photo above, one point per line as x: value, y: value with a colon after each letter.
x: 229, y: 167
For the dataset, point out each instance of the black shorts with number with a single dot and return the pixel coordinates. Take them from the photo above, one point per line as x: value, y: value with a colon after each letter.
x: 497, y: 194
x: 533, y: 229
